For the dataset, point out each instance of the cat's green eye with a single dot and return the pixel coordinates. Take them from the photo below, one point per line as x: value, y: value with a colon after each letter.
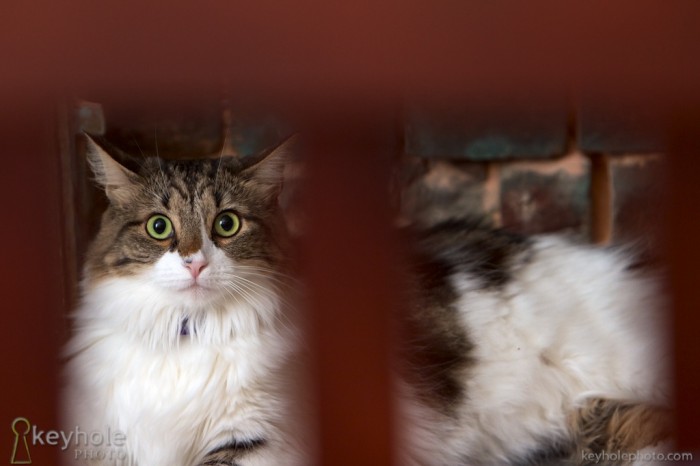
x: 227, y: 224
x: 159, y: 227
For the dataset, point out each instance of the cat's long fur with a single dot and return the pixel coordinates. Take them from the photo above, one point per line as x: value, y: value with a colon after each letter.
x: 187, y: 377
x: 517, y: 351
x: 551, y: 329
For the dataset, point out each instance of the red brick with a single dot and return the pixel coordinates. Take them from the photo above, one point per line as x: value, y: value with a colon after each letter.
x: 546, y: 196
x: 450, y: 189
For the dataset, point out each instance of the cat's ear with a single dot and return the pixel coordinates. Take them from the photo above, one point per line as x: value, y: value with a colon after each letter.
x: 117, y: 181
x: 268, y: 170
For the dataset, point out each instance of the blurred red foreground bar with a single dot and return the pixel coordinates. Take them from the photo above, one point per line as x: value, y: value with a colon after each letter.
x: 323, y: 60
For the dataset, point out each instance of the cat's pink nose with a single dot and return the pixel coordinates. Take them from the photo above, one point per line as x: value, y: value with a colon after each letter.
x: 195, y: 266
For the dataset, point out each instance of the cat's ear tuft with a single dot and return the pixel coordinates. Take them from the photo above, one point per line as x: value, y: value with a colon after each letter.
x: 116, y: 180
x: 268, y: 169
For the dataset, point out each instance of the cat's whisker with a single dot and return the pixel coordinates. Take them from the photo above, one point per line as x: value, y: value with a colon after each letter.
x: 221, y: 157
x: 275, y: 280
x: 268, y: 277
x: 268, y: 272
x: 232, y: 294
x: 160, y: 165
x: 260, y: 288
x: 255, y: 303
x: 258, y: 298
x: 139, y: 147
x: 246, y: 294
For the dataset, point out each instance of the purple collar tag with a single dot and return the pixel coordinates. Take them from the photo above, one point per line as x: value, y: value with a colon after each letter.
x: 185, y: 327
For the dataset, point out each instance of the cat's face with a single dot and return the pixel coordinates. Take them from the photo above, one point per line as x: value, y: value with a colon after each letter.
x: 201, y: 231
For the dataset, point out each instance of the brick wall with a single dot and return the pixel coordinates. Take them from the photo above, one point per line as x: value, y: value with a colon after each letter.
x: 588, y: 168
x: 591, y: 169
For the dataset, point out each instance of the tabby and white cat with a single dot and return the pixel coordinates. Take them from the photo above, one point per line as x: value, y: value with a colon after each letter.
x: 517, y: 351
x: 182, y: 341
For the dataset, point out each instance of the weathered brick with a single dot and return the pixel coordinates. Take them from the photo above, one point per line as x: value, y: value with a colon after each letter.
x: 451, y: 189
x: 191, y: 128
x: 546, y: 196
x: 637, y: 188
x: 497, y: 131
x: 621, y: 127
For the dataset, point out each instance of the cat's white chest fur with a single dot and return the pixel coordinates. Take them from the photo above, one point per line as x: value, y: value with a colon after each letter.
x: 174, y: 402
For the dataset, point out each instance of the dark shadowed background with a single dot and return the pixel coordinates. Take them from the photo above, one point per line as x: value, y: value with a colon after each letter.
x: 549, y: 114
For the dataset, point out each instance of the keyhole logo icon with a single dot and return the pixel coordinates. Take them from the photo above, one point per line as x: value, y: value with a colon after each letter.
x: 20, y: 450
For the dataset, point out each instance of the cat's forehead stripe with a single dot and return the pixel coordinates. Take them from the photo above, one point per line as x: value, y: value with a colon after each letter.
x: 165, y: 198
x: 192, y: 181
x: 180, y: 189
